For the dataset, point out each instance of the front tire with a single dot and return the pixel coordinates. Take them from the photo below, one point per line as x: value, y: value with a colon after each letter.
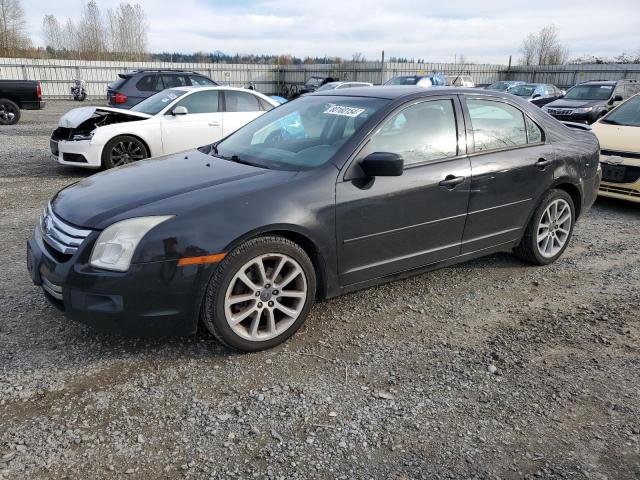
x: 122, y: 150
x: 550, y: 229
x: 260, y: 294
x: 9, y: 112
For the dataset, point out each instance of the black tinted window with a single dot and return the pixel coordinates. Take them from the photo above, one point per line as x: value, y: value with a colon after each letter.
x: 496, y: 125
x: 202, y: 81
x: 419, y: 133
x: 150, y: 83
x: 241, y: 102
x: 171, y: 81
x: 201, y: 102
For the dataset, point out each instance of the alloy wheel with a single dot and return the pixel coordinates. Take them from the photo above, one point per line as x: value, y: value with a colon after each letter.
x: 554, y: 228
x: 265, y: 297
x: 7, y: 113
x: 126, y: 152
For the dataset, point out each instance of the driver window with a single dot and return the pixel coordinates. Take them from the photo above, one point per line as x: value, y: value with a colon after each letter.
x: 201, y: 102
x: 420, y: 133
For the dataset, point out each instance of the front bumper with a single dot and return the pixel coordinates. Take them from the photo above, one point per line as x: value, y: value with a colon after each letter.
x: 151, y: 299
x: 81, y: 153
x: 621, y: 180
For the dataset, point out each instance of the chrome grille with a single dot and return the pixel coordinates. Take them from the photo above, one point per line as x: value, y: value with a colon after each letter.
x: 60, y: 235
x: 560, y: 111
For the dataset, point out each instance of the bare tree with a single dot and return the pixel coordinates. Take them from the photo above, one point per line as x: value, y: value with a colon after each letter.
x: 121, y: 35
x: 543, y: 48
x: 358, y: 57
x: 13, y: 35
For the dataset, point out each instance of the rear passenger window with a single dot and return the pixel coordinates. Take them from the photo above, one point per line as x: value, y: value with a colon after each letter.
x: 420, y: 133
x: 171, y: 81
x: 534, y: 133
x: 241, y: 102
x: 496, y: 125
x: 202, y: 81
x: 150, y: 83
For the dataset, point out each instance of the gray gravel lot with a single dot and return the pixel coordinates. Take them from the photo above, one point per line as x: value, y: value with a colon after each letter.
x: 491, y: 369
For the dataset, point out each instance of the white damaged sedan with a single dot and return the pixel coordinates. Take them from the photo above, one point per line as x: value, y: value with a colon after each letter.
x: 170, y: 121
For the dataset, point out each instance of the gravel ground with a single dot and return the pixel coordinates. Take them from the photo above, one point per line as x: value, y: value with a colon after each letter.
x: 491, y: 369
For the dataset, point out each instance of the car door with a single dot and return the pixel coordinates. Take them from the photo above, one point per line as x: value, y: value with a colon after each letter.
x: 387, y: 225
x: 201, y: 125
x: 240, y: 108
x: 511, y: 167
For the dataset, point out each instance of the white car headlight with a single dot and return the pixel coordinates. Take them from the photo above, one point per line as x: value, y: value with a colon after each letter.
x: 583, y: 110
x: 116, y: 244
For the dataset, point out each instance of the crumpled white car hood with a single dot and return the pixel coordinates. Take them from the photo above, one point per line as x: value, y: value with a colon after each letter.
x: 75, y: 117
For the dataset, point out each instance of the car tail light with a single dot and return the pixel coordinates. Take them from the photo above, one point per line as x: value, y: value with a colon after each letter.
x: 119, y: 98
x: 39, y: 91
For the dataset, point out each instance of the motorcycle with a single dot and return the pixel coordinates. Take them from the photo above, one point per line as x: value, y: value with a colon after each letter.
x: 79, y: 91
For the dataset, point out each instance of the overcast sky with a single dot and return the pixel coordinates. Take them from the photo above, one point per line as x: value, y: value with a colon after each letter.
x: 481, y: 30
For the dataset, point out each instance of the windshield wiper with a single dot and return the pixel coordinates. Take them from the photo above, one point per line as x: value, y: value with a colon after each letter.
x: 613, y: 122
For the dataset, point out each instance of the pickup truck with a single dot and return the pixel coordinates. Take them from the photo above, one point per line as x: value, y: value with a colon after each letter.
x: 16, y: 95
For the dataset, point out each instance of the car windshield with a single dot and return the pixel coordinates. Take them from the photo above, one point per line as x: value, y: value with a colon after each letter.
x: 589, y: 92
x: 155, y: 103
x: 402, y: 81
x: 500, y: 86
x: 626, y: 114
x: 314, y: 81
x: 523, y: 90
x: 300, y: 135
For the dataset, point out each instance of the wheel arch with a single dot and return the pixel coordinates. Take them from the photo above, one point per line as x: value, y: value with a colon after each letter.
x: 13, y: 99
x: 575, y: 194
x: 301, y: 238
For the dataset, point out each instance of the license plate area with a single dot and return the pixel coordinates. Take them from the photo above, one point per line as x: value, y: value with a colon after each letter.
x: 613, y: 173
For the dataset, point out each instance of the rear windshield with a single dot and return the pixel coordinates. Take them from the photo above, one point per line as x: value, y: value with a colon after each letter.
x: 155, y: 103
x: 589, y: 92
x: 523, y: 90
x: 626, y: 114
x: 299, y: 135
x: 402, y: 81
x: 118, y: 83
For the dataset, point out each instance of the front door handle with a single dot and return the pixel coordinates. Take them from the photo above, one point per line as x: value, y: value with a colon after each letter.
x: 451, y: 181
x: 543, y: 163
x: 214, y: 124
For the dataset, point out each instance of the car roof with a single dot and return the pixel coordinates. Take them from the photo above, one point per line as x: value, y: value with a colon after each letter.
x: 395, y: 91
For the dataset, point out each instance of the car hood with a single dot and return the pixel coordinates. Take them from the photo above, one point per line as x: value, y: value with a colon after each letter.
x: 619, y: 138
x: 73, y: 118
x: 562, y: 103
x: 161, y: 186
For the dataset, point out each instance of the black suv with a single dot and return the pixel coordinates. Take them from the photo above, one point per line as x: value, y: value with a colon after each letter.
x: 588, y: 101
x: 133, y: 87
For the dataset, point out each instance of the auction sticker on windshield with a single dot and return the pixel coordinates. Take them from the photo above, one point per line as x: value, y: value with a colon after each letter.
x: 343, y: 110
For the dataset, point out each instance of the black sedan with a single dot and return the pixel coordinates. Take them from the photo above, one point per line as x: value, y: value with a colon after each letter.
x: 324, y: 195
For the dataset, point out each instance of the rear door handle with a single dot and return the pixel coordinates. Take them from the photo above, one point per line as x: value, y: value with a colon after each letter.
x: 542, y: 163
x: 214, y: 124
x: 451, y: 181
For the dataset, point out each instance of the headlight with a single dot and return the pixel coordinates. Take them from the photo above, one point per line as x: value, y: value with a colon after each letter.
x: 116, y: 244
x: 83, y: 136
x: 583, y: 110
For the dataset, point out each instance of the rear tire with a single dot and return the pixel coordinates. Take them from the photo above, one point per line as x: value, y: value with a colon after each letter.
x: 122, y: 150
x: 260, y: 294
x: 9, y: 112
x: 549, y: 231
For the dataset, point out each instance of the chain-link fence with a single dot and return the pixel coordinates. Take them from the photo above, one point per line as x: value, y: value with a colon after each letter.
x: 57, y: 75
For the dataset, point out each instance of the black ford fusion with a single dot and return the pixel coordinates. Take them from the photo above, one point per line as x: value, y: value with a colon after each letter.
x: 327, y: 194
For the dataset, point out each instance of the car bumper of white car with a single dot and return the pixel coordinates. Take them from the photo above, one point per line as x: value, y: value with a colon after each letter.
x: 81, y: 153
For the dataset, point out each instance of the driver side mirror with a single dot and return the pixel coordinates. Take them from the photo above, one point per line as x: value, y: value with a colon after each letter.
x: 617, y: 98
x: 382, y: 164
x: 180, y: 110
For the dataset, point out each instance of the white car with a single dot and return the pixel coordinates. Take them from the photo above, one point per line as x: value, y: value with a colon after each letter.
x: 170, y: 121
